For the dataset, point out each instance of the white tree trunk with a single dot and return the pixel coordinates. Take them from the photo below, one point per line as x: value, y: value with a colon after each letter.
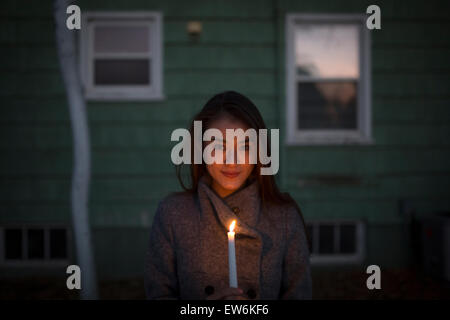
x: 65, y: 40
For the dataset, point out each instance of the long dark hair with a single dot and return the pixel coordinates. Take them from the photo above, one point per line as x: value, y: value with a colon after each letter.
x: 240, y: 107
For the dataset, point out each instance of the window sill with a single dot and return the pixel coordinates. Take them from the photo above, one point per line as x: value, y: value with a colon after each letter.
x: 311, y: 140
x: 121, y: 98
x: 337, y: 259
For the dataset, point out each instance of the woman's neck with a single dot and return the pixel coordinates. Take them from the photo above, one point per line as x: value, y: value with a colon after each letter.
x: 222, y: 192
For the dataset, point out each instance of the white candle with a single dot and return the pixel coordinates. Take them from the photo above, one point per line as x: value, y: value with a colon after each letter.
x: 232, y: 257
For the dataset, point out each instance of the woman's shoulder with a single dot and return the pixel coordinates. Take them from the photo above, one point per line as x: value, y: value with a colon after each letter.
x: 176, y: 202
x: 289, y: 209
x: 177, y: 197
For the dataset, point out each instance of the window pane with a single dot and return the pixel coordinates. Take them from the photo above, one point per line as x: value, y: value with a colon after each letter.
x: 36, y: 244
x: 122, y: 72
x: 58, y: 244
x: 327, y: 105
x: 13, y: 244
x: 348, y: 238
x: 115, y: 39
x: 326, y: 239
x: 327, y: 50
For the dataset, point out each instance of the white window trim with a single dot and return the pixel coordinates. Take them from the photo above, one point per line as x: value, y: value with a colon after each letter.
x: 125, y: 92
x: 363, y: 134
x: 340, y: 259
x: 25, y: 261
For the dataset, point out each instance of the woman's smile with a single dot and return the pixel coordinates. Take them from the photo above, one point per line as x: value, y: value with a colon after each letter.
x: 230, y: 174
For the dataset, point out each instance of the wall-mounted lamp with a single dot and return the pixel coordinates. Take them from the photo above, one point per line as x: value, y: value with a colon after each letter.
x: 194, y: 29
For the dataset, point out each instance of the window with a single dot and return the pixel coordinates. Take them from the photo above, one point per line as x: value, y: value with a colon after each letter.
x: 337, y: 241
x: 25, y: 245
x: 121, y: 56
x: 328, y: 79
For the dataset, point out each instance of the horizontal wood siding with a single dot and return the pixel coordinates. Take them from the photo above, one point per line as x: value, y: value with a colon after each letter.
x: 242, y: 47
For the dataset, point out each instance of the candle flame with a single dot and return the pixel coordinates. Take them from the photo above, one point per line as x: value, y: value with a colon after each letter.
x: 232, y: 225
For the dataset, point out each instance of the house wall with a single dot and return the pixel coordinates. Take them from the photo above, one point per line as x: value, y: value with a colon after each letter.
x: 242, y: 47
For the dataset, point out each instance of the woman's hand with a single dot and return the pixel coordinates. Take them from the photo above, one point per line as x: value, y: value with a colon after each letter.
x: 228, y: 294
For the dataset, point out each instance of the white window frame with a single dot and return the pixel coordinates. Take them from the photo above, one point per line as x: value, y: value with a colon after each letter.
x: 154, y: 91
x: 363, y: 133
x: 337, y: 258
x: 25, y: 261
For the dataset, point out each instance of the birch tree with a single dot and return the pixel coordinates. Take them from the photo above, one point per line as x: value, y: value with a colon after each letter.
x: 65, y: 40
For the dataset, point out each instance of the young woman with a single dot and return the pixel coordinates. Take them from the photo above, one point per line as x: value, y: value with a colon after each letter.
x: 188, y: 250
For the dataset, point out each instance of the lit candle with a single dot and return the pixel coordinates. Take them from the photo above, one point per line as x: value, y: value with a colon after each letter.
x: 232, y: 257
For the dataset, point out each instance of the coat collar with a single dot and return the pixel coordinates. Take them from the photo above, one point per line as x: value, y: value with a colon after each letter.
x: 246, y: 199
x: 217, y: 209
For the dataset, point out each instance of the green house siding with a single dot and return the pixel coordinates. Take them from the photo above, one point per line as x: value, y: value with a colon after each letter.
x: 241, y: 47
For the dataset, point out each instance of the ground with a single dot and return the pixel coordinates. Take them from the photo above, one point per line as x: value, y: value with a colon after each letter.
x: 338, y: 284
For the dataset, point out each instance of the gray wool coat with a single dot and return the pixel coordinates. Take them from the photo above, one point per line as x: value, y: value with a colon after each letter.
x: 187, y: 257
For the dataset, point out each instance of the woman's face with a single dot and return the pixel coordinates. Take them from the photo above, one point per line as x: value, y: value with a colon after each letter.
x: 229, y: 176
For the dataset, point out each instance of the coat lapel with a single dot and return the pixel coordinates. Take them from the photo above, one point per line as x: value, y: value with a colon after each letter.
x: 246, y: 199
x: 248, y: 251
